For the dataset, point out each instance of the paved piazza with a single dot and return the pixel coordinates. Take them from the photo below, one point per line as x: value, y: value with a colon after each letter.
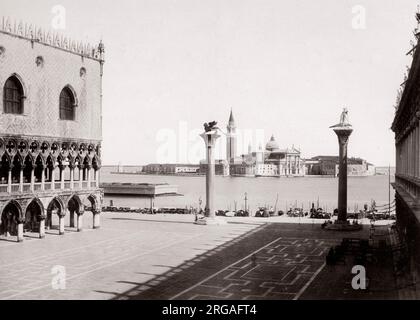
x: 137, y: 256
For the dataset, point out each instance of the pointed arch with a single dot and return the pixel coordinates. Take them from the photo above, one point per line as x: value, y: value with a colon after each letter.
x: 75, y: 204
x: 34, y: 213
x: 14, y: 94
x: 95, y: 203
x: 11, y: 216
x: 96, y: 162
x: 56, y: 205
x: 68, y: 103
x: 29, y: 160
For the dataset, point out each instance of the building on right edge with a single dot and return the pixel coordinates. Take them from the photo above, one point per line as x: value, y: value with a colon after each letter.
x: 406, y: 127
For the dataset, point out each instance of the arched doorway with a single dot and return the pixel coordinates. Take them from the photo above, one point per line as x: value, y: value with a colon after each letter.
x: 75, y: 209
x: 5, y: 164
x: 33, y: 216
x: 10, y: 220
x: 55, y: 216
x: 92, y: 205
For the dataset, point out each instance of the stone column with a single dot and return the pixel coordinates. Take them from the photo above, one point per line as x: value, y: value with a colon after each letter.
x: 20, y: 231
x: 210, y: 216
x: 21, y: 180
x: 52, y: 173
x: 62, y: 176
x: 42, y: 228
x: 89, y: 178
x: 343, y: 134
x: 61, y: 224
x: 96, y: 219
x: 71, y: 178
x: 81, y: 174
x: 32, y: 179
x: 97, y: 178
x: 43, y: 179
x: 9, y: 180
x: 80, y: 222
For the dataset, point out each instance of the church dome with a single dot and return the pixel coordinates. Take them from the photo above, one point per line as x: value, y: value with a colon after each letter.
x: 272, y: 145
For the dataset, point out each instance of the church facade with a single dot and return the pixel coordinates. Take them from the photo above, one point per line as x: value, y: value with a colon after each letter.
x: 270, y: 162
x: 50, y: 132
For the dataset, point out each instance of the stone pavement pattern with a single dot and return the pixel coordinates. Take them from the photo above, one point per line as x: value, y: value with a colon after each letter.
x: 278, y: 271
x: 167, y: 257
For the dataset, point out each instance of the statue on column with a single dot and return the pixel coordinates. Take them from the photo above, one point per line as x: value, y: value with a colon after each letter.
x: 208, y: 127
x: 344, y: 119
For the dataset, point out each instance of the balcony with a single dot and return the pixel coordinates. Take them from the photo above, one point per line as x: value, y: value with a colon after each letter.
x: 15, y: 188
x: 411, y: 185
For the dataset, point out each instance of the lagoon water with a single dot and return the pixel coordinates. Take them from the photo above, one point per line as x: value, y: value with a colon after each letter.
x: 261, y: 191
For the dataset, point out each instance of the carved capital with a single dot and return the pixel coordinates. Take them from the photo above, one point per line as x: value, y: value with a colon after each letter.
x: 20, y: 220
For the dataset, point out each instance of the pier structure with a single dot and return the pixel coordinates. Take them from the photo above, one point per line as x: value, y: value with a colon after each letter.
x: 210, y: 137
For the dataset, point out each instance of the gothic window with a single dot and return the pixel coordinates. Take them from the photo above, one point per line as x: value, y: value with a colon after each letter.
x: 67, y: 105
x: 13, y: 96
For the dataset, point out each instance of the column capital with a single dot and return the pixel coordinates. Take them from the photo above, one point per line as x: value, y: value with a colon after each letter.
x: 81, y: 212
x: 20, y: 220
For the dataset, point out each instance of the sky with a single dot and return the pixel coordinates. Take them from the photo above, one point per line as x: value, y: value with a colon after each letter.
x: 286, y: 68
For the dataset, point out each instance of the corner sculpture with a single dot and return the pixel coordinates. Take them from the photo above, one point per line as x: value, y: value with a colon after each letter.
x: 210, y: 126
x: 344, y: 120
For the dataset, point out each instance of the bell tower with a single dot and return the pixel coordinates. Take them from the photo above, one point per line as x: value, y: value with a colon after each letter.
x: 231, y: 139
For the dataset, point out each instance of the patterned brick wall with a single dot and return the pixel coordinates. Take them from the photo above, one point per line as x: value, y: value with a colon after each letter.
x: 43, y: 84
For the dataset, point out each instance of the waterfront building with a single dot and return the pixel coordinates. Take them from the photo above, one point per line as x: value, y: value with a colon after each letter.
x: 271, y: 162
x: 329, y: 166
x: 406, y: 127
x: 50, y: 130
x: 171, y: 168
x: 222, y: 167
